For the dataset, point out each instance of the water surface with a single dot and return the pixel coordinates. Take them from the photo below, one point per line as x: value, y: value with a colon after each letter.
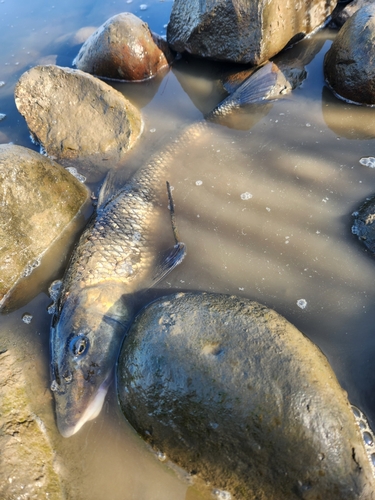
x: 265, y: 213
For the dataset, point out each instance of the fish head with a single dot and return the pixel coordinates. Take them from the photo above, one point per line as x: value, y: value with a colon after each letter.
x: 86, y: 336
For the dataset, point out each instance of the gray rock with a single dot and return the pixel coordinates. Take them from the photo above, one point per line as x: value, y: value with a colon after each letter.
x: 250, y: 31
x: 364, y: 222
x: 232, y: 392
x: 27, y: 457
x: 343, y: 12
x: 38, y: 200
x: 124, y: 48
x: 349, y: 65
x: 77, y: 117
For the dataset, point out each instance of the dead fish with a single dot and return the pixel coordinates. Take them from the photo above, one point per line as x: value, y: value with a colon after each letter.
x: 115, y: 258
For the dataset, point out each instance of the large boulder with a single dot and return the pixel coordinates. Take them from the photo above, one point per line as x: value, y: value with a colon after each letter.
x: 249, y: 31
x: 124, y: 48
x: 349, y: 65
x: 75, y: 116
x: 38, y: 200
x: 27, y: 459
x: 232, y: 392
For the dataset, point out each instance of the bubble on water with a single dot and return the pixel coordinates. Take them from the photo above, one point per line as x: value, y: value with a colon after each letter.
x: 367, y: 435
x: 246, y: 196
x: 222, y: 494
x: 78, y: 176
x: 2, y: 116
x: 30, y: 268
x: 26, y: 318
x: 54, y: 386
x: 152, y: 130
x: 355, y: 230
x: 302, y: 303
x: 198, y: 183
x: 308, y: 124
x: 368, y: 161
x: 161, y: 456
x: 2, y: 84
x: 143, y: 6
x: 356, y: 411
x: 368, y: 438
x: 55, y: 289
x: 129, y: 1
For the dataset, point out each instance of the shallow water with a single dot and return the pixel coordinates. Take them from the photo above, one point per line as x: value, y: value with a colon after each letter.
x: 265, y: 214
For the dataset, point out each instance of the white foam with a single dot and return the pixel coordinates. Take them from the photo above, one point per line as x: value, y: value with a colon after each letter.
x: 368, y: 161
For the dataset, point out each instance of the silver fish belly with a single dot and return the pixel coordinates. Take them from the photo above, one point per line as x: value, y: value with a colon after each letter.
x: 115, y: 258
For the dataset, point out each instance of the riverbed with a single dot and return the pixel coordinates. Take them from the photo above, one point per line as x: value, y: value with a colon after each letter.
x: 265, y: 211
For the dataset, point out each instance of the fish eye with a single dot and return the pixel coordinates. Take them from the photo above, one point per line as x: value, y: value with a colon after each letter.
x: 79, y: 345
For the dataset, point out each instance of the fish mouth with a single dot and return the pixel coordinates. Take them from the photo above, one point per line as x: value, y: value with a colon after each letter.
x: 69, y: 427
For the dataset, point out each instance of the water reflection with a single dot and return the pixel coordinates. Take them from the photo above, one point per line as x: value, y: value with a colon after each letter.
x: 289, y: 240
x: 347, y: 120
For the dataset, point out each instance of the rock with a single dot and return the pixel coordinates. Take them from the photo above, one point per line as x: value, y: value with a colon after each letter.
x: 27, y: 457
x: 349, y: 65
x: 38, y: 199
x: 75, y: 116
x: 364, y: 218
x: 124, y: 48
x: 236, y: 395
x: 343, y: 12
x: 250, y: 31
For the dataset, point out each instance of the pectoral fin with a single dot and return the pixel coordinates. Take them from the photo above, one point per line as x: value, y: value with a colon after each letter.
x: 172, y: 258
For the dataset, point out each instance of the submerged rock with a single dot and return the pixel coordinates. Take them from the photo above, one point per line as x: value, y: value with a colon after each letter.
x: 364, y: 218
x: 349, y: 65
x: 27, y: 457
x: 232, y: 392
x: 246, y: 32
x: 38, y: 199
x: 124, y: 48
x: 77, y: 117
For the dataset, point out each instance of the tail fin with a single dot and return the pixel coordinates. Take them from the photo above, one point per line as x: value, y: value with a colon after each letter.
x: 259, y: 87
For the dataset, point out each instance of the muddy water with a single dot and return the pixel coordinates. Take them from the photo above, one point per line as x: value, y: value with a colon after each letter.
x: 265, y: 213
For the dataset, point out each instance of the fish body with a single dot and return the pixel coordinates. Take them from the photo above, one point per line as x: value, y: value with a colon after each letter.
x: 115, y: 258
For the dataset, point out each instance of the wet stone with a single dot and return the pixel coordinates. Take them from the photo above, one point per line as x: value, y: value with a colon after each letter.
x: 244, y: 32
x: 124, y: 48
x: 38, y: 200
x: 364, y: 224
x: 344, y: 11
x: 230, y: 391
x: 349, y: 65
x: 27, y: 458
x: 76, y: 117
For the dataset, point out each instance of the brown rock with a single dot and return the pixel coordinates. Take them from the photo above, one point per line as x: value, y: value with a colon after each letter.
x: 75, y: 116
x: 124, y: 48
x: 27, y: 457
x: 249, y: 31
x: 38, y: 199
x: 232, y: 392
x: 343, y: 12
x: 349, y: 65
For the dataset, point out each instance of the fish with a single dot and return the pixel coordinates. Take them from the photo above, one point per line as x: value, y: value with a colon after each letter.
x: 116, y: 257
